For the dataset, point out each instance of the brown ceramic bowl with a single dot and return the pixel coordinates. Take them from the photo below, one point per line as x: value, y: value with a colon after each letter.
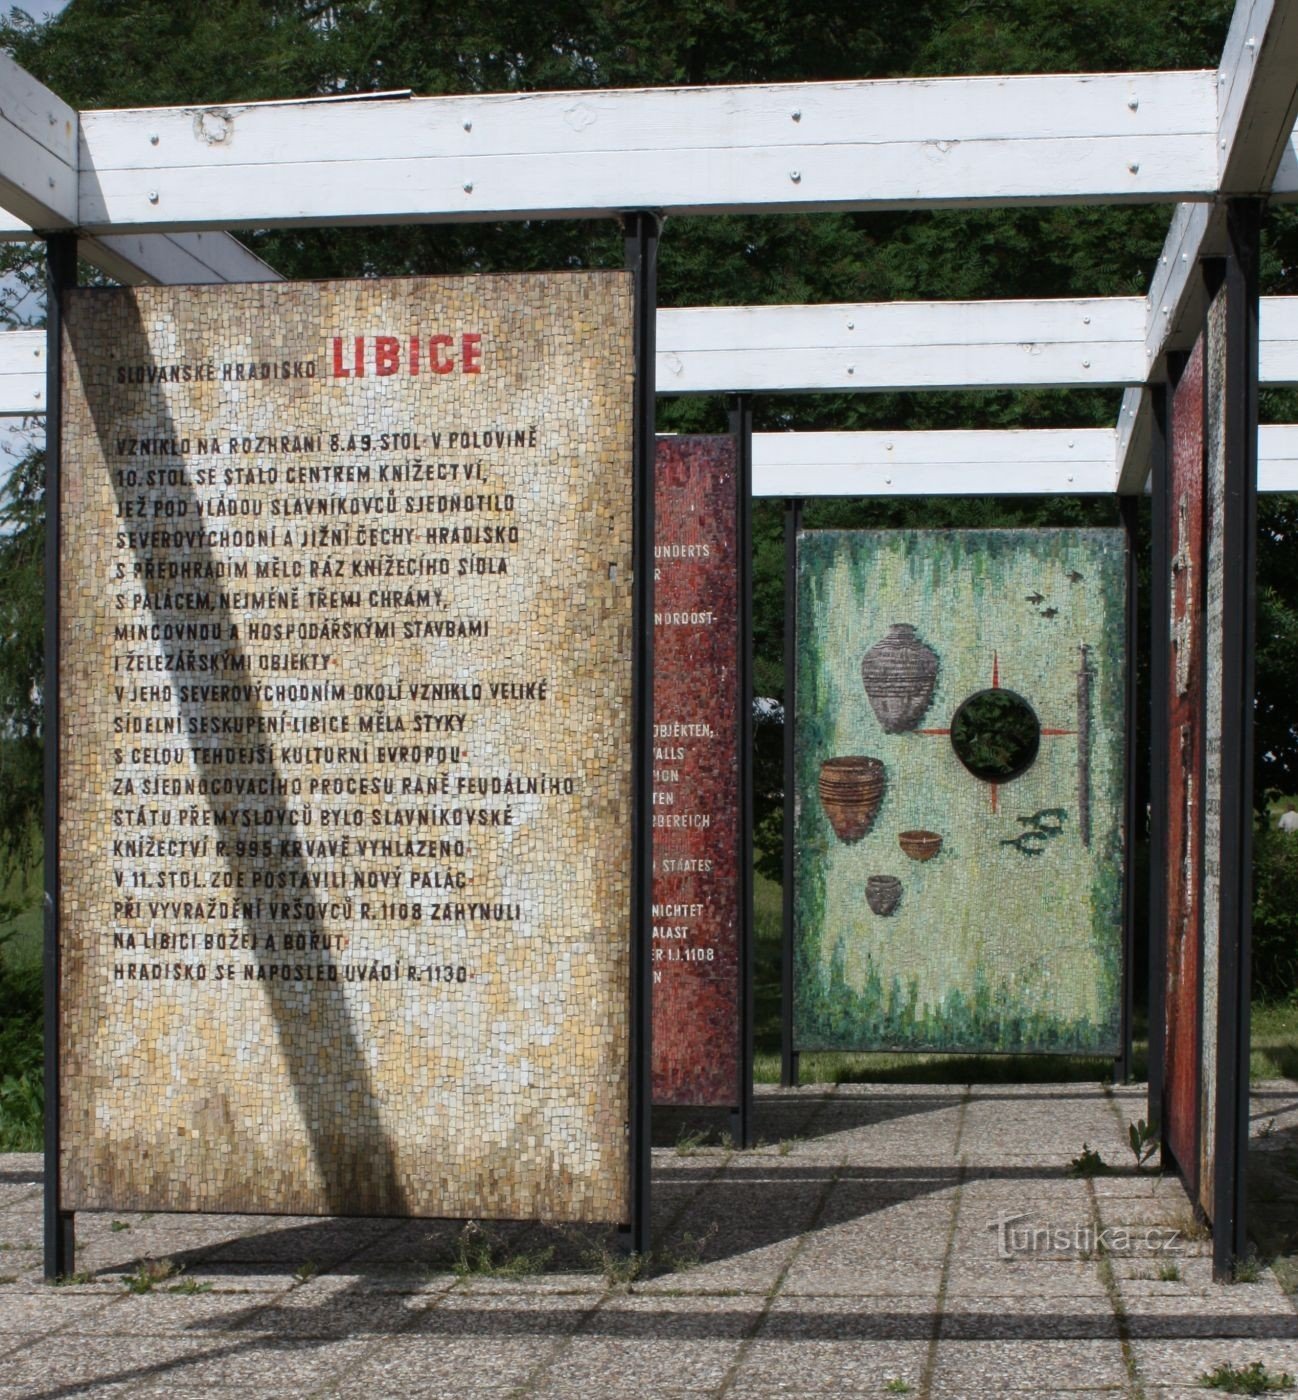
x: 920, y: 845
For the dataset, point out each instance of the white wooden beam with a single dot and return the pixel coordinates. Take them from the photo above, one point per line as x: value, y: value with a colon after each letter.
x: 1284, y: 188
x: 22, y: 373
x: 1257, y: 95
x: 1040, y: 462
x: 39, y: 190
x: 1277, y: 457
x: 901, y: 345
x: 1278, y: 340
x: 880, y: 144
x: 38, y: 151
x: 997, y: 463
x: 175, y: 259
x: 1134, y: 435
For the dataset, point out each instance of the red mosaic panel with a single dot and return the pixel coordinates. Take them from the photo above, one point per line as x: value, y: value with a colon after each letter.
x: 1185, y: 768
x: 696, y: 983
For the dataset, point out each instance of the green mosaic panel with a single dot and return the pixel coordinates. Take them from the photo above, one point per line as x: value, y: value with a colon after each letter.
x: 945, y: 912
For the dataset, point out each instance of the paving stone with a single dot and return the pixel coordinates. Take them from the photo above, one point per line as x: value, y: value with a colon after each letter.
x: 818, y: 1272
x: 895, y: 1279
x: 831, y: 1345
x: 1180, y: 1362
x: 653, y: 1346
x: 1027, y: 1365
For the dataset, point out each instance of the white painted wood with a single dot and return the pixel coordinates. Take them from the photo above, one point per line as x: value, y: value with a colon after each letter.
x: 1277, y: 457
x: 1278, y: 340
x: 38, y: 151
x: 1257, y: 95
x: 175, y: 259
x: 1176, y: 302
x: 1285, y: 185
x: 22, y: 373
x: 887, y: 143
x: 1257, y: 85
x: 1135, y: 429
x: 901, y: 345
x: 1000, y: 463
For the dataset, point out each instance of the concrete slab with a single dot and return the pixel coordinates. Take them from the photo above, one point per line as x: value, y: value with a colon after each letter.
x: 863, y: 1251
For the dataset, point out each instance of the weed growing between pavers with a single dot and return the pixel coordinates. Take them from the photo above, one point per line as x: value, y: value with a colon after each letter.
x: 190, y: 1286
x: 479, y: 1254
x: 1088, y: 1163
x: 306, y: 1271
x: 149, y: 1273
x: 1143, y: 1140
x: 1247, y: 1270
x: 1253, y: 1379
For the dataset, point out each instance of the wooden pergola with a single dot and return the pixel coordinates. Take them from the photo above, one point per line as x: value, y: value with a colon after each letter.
x: 151, y: 195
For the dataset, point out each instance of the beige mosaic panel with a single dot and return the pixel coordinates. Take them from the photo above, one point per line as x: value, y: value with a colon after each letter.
x: 345, y: 804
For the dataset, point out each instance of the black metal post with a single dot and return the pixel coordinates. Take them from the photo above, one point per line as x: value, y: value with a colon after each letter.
x: 60, y: 273
x: 1239, y: 606
x: 641, y: 240
x: 1160, y: 641
x: 741, y: 425
x: 1128, y: 507
x: 792, y: 524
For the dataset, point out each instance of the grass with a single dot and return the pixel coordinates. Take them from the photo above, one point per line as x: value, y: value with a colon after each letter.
x: 149, y: 1273
x: 1253, y: 1379
x: 1274, y: 1041
x: 479, y: 1254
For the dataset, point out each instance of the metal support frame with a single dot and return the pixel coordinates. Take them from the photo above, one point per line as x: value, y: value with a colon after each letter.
x: 1128, y: 512
x: 1160, y: 607
x: 1239, y: 607
x: 792, y: 524
x: 60, y: 273
x: 741, y: 426
x: 641, y: 230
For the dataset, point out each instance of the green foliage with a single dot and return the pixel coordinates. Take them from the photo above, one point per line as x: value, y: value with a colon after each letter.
x: 148, y: 1273
x: 995, y: 734
x: 1253, y: 1379
x: 1088, y: 1162
x: 1143, y: 1140
x: 479, y: 1253
x: 22, y: 1088
x: 1275, y: 912
x: 22, y: 660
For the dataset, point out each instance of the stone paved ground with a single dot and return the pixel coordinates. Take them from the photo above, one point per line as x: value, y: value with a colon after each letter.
x: 857, y: 1252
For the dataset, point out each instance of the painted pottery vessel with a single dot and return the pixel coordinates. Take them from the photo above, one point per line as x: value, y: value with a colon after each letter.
x: 882, y: 893
x: 899, y: 673
x: 851, y: 789
x: 920, y: 845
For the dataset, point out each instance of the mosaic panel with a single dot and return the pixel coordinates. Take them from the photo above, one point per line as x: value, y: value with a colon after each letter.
x: 345, y: 806
x: 696, y: 774
x: 935, y: 910
x: 1185, y: 768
